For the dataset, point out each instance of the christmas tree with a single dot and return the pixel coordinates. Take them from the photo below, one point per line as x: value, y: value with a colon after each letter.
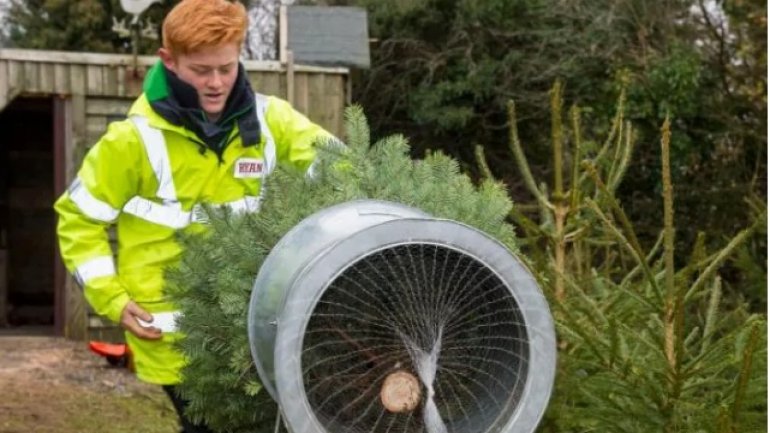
x: 212, y: 285
x: 649, y: 338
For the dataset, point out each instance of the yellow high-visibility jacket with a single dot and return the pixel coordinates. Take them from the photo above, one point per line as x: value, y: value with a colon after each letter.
x: 146, y: 176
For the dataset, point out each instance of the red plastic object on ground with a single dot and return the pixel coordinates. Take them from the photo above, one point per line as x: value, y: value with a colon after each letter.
x: 116, y: 354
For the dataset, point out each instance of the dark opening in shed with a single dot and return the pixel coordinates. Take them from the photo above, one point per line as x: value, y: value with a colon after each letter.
x: 27, y: 222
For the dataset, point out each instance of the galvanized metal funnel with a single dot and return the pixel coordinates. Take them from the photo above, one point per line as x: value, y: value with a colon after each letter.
x: 372, y: 316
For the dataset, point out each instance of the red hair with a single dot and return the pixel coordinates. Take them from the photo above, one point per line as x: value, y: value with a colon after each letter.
x: 195, y: 24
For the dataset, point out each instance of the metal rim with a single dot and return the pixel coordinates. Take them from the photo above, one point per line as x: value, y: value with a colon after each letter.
x: 310, y: 285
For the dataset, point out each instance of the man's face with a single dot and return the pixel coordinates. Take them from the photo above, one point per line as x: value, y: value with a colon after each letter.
x: 211, y: 71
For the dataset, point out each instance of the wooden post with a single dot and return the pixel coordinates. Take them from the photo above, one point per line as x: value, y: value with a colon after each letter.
x: 283, y: 34
x: 3, y: 284
x: 285, y: 56
x: 349, y: 88
x: 4, y: 100
x: 61, y: 115
x: 290, y: 77
x: 74, y: 304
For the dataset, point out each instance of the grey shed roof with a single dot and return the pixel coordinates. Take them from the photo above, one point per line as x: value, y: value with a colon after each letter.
x: 329, y: 36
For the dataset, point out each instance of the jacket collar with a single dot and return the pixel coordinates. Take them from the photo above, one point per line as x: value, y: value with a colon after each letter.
x: 142, y: 107
x: 171, y: 104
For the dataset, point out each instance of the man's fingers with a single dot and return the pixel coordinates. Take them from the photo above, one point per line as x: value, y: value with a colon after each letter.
x: 147, y: 333
x: 130, y: 317
x: 141, y: 313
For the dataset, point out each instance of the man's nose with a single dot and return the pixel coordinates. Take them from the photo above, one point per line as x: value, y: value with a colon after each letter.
x: 215, y: 80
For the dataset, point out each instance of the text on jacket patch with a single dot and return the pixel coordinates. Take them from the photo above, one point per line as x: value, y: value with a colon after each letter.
x: 249, y: 167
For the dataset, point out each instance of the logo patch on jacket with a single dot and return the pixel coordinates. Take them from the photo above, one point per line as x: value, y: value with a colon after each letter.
x: 249, y: 168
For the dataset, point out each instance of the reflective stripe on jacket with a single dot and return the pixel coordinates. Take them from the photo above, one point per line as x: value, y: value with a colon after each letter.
x: 149, y: 178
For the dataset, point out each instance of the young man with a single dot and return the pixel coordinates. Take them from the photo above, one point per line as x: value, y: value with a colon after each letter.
x: 197, y: 135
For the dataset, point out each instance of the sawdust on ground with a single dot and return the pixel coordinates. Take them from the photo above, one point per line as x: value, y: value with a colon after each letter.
x: 49, y: 384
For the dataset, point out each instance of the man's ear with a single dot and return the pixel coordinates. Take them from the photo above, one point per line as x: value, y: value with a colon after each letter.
x: 167, y: 58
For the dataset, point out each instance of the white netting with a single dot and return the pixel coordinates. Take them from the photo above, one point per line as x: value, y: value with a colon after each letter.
x: 427, y: 309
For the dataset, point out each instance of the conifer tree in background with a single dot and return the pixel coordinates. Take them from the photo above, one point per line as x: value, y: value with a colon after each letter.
x: 213, y: 283
x: 645, y: 345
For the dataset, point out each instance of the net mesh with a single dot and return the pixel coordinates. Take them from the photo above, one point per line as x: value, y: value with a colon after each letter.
x: 417, y: 308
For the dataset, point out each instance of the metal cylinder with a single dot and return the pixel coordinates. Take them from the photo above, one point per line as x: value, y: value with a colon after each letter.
x: 369, y: 290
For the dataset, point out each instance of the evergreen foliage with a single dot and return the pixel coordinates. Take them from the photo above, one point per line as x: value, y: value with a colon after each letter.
x: 212, y: 285
x: 443, y: 71
x: 646, y: 344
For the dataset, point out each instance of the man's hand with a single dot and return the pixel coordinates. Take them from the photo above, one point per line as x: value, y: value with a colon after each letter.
x: 128, y: 321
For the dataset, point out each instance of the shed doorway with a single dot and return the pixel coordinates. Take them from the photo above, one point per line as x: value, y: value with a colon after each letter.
x: 28, y: 187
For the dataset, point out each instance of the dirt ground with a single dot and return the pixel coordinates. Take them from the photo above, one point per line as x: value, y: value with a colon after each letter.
x: 51, y: 385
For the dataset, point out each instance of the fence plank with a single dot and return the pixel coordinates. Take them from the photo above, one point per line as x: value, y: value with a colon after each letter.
x: 4, y: 97
x: 94, y: 80
x: 15, y: 78
x: 301, y: 102
x: 79, y: 135
x: 78, y: 79
x: 95, y: 127
x: 46, y: 78
x: 31, y: 77
x: 120, y: 77
x: 269, y: 84
x: 110, y: 80
x: 76, y: 324
x: 317, y: 109
x: 335, y: 103
x: 283, y: 86
x: 61, y: 73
